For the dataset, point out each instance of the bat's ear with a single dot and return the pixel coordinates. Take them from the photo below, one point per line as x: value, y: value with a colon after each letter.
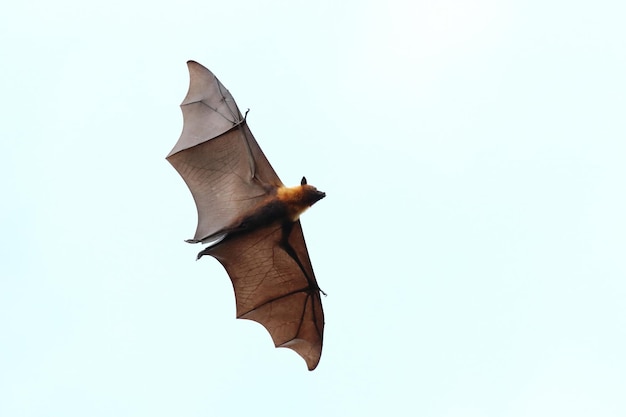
x: 303, y: 182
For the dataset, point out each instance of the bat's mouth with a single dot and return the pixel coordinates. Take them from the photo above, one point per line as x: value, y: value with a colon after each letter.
x: 318, y: 196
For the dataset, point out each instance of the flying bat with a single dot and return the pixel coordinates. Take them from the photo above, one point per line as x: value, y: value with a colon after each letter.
x: 248, y: 218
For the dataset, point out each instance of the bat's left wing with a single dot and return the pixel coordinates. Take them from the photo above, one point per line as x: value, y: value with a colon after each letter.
x: 274, y: 285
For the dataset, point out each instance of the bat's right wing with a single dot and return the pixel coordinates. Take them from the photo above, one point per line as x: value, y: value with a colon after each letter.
x: 217, y: 156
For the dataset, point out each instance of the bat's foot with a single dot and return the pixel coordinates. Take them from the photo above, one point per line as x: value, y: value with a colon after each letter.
x: 204, y: 252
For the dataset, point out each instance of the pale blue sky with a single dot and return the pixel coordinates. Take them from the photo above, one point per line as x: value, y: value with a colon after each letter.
x: 472, y: 243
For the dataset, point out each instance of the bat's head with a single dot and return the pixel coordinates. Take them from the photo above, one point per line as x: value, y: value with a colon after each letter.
x: 310, y: 194
x: 299, y: 198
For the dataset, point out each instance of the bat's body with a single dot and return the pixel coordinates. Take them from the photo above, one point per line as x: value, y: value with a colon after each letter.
x: 249, y: 218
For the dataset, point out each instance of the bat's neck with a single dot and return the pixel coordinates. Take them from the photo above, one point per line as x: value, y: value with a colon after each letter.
x: 299, y: 198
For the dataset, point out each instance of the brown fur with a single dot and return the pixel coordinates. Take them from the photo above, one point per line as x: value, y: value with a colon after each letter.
x: 297, y: 199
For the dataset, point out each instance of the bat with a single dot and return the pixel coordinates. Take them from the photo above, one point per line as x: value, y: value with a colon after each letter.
x: 248, y: 218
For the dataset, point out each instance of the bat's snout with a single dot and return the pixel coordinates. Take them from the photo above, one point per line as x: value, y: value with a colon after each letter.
x: 317, y: 196
x: 310, y: 195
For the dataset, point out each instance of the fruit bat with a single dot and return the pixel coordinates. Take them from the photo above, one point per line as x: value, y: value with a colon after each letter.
x: 249, y: 219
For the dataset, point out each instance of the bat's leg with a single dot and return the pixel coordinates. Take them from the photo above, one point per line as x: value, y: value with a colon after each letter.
x: 287, y: 227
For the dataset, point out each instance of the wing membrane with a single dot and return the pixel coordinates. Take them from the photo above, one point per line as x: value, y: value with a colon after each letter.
x: 272, y: 289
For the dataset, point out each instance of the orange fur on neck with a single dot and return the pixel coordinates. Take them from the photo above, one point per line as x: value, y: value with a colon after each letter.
x: 293, y: 197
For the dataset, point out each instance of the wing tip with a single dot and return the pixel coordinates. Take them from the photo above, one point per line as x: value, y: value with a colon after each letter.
x: 310, y: 352
x: 308, y: 349
x: 191, y: 63
x: 196, y: 69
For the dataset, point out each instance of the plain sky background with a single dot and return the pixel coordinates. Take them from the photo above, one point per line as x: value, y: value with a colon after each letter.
x: 472, y: 243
